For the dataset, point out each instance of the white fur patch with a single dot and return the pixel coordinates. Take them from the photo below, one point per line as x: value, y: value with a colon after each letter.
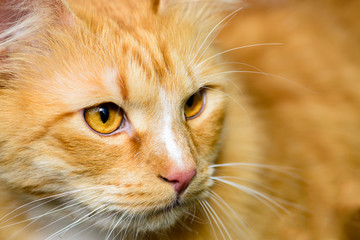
x: 167, y: 135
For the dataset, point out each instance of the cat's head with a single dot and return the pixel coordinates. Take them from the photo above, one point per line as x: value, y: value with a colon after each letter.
x: 117, y: 108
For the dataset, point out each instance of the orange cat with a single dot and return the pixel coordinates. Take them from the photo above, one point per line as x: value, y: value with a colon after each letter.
x: 120, y: 120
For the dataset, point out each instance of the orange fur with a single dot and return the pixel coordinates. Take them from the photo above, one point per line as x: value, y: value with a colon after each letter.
x: 294, y: 141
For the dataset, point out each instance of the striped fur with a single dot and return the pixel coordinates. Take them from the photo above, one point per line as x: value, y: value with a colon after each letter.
x: 60, y: 179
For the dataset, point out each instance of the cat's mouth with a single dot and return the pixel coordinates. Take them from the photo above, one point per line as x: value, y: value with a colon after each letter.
x: 174, y: 205
x: 175, y: 209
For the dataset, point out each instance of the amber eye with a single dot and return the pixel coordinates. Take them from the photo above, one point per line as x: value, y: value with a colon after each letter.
x: 104, y: 118
x: 195, y: 104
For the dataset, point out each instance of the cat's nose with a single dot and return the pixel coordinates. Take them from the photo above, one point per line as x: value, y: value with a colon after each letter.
x: 180, y: 179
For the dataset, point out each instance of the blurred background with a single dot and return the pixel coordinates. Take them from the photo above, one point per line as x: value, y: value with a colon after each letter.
x: 306, y: 91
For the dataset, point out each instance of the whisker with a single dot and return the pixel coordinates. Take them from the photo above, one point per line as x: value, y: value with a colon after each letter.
x: 219, y: 222
x: 218, y: 32
x: 54, y: 210
x: 212, y: 30
x: 193, y: 216
x: 265, y: 74
x: 259, y: 198
x: 124, y: 215
x: 56, y: 196
x: 126, y: 227
x: 269, y: 189
x: 250, y: 181
x: 237, y: 48
x: 34, y: 219
x: 240, y: 63
x: 110, y: 229
x: 259, y: 71
x: 192, y: 47
x: 63, y: 217
x: 280, y: 169
x: 291, y: 204
x: 92, y: 225
x: 67, y: 215
x: 256, y: 194
x: 207, y: 215
x: 244, y: 225
x: 214, y: 219
x: 185, y: 226
x: 234, y: 100
x: 73, y: 224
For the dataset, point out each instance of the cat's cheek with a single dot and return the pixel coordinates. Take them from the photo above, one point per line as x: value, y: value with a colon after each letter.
x: 85, y: 149
x: 206, y: 131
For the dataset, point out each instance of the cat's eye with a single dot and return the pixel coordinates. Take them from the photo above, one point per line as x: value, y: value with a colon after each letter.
x: 104, y: 118
x: 195, y: 104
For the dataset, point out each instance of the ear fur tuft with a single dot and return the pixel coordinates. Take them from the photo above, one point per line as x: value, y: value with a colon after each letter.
x: 21, y: 18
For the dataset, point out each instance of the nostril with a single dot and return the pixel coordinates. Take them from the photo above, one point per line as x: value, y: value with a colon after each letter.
x: 167, y: 180
x: 180, y: 180
x: 173, y: 182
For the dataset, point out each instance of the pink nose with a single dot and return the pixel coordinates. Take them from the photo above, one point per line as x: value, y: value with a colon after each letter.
x: 180, y: 179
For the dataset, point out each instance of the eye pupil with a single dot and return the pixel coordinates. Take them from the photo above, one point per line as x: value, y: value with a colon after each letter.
x: 194, y: 105
x: 104, y: 114
x: 105, y: 118
x: 190, y: 101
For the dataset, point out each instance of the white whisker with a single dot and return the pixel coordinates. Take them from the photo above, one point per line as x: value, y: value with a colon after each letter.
x: 192, y: 47
x: 34, y: 219
x: 242, y: 64
x: 73, y: 224
x: 250, y: 181
x: 219, y: 222
x: 244, y: 225
x: 280, y: 169
x: 56, y: 196
x: 63, y: 217
x: 108, y: 233
x: 265, y: 74
x: 113, y: 227
x: 126, y: 227
x: 208, y: 217
x: 193, y: 216
x: 218, y: 32
x: 234, y: 100
x: 212, y: 30
x: 256, y: 194
x: 54, y: 210
x: 237, y: 48
x: 92, y: 225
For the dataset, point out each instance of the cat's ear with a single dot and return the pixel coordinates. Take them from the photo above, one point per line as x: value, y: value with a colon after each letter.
x: 19, y: 19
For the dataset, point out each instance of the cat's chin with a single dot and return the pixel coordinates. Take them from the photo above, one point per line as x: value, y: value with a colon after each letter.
x: 116, y: 222
x: 157, y: 220
x: 162, y: 218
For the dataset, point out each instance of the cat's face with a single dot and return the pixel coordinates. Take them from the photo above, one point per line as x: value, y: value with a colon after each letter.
x: 122, y: 121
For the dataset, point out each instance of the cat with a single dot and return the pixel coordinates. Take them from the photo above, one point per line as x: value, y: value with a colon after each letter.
x: 122, y: 120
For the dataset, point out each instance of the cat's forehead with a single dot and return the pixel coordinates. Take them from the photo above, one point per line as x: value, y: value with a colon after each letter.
x: 148, y: 66
x: 122, y: 66
x: 137, y: 87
